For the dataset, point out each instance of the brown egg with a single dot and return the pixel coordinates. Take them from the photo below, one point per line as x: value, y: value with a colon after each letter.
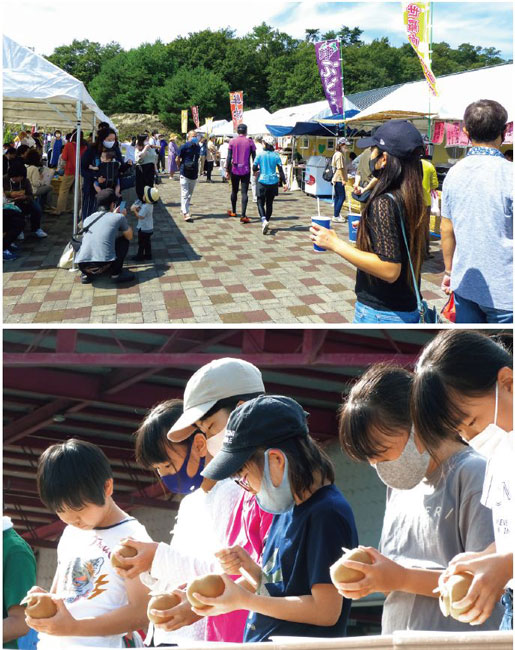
x: 341, y: 573
x: 39, y: 605
x: 452, y: 591
x: 161, y: 601
x: 124, y: 551
x: 210, y: 585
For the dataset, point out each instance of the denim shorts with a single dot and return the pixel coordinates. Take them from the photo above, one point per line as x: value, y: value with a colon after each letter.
x: 366, y: 314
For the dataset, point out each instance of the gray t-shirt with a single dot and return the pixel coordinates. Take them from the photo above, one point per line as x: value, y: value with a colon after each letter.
x: 424, y: 528
x: 477, y: 197
x: 98, y: 242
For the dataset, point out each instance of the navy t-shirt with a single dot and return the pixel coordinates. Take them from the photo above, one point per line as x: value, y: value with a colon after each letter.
x: 189, y: 154
x: 301, y: 546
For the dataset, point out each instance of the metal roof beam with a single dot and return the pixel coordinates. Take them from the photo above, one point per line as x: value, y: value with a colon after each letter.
x: 197, y: 359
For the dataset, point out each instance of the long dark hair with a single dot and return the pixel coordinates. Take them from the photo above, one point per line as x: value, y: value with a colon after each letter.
x: 455, y: 364
x: 379, y: 403
x: 151, y: 441
x: 403, y: 178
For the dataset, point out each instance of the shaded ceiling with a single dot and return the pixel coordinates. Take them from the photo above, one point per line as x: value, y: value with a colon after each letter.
x: 97, y: 385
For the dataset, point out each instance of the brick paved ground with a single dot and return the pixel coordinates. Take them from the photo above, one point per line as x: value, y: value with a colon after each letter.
x: 212, y: 270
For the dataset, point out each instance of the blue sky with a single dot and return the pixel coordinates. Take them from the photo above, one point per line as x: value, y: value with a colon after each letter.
x: 131, y: 22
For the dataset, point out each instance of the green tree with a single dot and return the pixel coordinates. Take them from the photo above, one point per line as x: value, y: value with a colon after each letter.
x: 83, y: 59
x: 129, y: 82
x: 192, y: 87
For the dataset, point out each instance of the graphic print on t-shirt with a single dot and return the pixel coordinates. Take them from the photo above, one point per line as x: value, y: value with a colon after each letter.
x: 83, y: 579
x: 272, y: 572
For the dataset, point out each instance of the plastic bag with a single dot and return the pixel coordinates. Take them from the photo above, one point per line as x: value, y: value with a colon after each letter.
x: 66, y: 259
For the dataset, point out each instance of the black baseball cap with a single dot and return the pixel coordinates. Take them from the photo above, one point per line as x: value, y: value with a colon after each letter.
x: 397, y: 137
x: 242, y: 128
x: 265, y: 421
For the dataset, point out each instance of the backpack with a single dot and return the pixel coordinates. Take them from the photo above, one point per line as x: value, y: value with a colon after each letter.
x: 328, y: 173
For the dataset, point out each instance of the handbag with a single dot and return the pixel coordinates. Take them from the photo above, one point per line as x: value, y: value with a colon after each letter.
x: 75, y: 242
x: 449, y: 309
x: 328, y: 173
x: 66, y: 259
x: 127, y: 179
x: 427, y: 314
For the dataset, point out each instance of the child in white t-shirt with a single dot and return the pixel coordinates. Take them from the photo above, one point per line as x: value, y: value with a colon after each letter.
x: 144, y: 212
x: 95, y: 606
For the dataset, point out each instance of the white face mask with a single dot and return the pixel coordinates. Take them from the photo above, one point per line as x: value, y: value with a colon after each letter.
x: 405, y: 472
x: 214, y: 444
x: 486, y: 442
x: 109, y: 144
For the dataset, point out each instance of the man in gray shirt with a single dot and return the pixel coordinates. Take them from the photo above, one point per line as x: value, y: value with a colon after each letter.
x: 106, y: 242
x: 477, y: 221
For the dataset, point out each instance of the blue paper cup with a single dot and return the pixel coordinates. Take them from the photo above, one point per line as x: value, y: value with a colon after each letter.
x: 326, y: 223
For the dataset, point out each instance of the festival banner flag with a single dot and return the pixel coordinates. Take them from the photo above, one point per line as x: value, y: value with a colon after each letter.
x: 438, y: 132
x: 209, y: 124
x: 184, y: 121
x: 463, y: 139
x: 452, y: 132
x: 330, y: 69
x: 508, y: 138
x: 236, y: 99
x: 194, y: 115
x: 417, y: 21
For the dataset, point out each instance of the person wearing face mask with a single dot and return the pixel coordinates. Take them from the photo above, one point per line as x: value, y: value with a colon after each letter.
x: 385, y: 289
x: 433, y: 508
x: 210, y: 396
x: 56, y: 145
x: 146, y: 161
x: 106, y: 139
x: 464, y: 383
x: 200, y: 527
x: 268, y: 449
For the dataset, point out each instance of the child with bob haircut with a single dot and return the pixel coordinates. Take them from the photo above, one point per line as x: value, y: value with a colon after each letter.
x: 464, y: 385
x: 433, y: 508
x: 268, y: 449
x: 95, y: 607
x: 200, y: 527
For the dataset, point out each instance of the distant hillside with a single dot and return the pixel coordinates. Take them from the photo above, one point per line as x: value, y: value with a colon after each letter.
x: 134, y: 123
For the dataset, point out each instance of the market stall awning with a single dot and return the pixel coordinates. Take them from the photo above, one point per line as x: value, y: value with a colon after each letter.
x: 303, y: 128
x: 456, y: 92
x: 36, y: 91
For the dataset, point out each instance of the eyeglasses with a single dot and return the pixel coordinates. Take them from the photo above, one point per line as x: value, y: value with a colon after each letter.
x: 243, y: 483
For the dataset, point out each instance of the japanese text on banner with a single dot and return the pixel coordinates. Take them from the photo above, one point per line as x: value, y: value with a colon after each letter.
x: 236, y: 99
x: 416, y: 20
x: 330, y: 69
x: 194, y: 115
x: 184, y: 121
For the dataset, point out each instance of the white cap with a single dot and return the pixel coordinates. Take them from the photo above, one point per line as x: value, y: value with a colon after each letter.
x: 216, y: 380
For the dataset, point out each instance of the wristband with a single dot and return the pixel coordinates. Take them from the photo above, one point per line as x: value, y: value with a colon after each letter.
x: 447, y: 273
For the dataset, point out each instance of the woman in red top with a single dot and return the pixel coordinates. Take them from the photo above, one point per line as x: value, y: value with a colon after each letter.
x: 69, y: 156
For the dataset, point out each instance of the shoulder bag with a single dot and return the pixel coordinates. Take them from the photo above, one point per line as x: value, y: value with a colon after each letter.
x: 427, y: 314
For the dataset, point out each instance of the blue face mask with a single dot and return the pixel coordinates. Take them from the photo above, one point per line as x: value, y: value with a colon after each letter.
x: 271, y: 499
x: 181, y: 482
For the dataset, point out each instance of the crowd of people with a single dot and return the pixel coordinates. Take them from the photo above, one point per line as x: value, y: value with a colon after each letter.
x: 261, y: 507
x: 394, y: 181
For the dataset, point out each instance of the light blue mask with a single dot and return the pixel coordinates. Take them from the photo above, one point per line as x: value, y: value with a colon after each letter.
x: 271, y: 499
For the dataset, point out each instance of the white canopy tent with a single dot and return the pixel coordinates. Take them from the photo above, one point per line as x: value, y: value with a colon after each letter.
x: 456, y: 92
x: 215, y: 127
x: 36, y: 91
x: 255, y: 120
x: 306, y: 113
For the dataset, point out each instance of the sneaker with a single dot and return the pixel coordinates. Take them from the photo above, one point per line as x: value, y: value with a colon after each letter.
x: 230, y: 213
x: 254, y: 200
x: 9, y: 257
x: 245, y: 220
x: 187, y: 217
x: 124, y: 276
x: 40, y: 233
x: 85, y: 279
x: 21, y: 236
x: 264, y: 227
x: 337, y: 219
x: 15, y: 246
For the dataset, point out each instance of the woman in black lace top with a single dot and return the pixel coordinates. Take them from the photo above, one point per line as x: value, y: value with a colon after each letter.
x: 384, y: 283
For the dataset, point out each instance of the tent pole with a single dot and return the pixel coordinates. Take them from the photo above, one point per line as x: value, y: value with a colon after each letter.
x: 430, y: 65
x: 77, y: 168
x: 343, y: 90
x: 94, y: 128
